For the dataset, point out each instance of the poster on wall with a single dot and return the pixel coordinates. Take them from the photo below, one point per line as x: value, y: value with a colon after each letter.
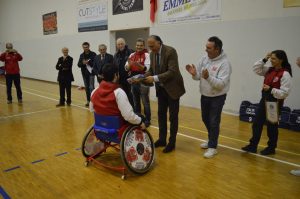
x: 291, y: 3
x: 125, y: 6
x: 50, y: 23
x: 92, y: 15
x: 182, y: 11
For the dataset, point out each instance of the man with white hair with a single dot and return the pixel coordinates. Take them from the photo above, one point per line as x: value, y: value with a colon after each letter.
x: 65, y: 76
x: 120, y: 59
x: 12, y: 71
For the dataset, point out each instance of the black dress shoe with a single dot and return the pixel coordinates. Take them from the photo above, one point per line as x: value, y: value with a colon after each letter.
x: 60, y: 104
x: 249, y: 148
x: 159, y: 143
x: 268, y: 151
x: 169, y: 148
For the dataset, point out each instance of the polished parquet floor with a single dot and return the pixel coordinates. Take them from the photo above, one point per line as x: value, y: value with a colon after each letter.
x: 40, y: 156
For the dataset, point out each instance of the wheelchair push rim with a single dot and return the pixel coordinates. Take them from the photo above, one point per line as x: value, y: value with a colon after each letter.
x: 137, y: 150
x: 91, y: 145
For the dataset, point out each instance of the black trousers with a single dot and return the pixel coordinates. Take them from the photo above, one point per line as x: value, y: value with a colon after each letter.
x: 17, y: 82
x: 211, y: 109
x: 257, y: 127
x: 165, y: 102
x: 65, y: 87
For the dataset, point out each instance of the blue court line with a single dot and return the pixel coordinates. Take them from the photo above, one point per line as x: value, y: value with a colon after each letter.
x: 37, y: 161
x: 60, y: 154
x: 13, y: 168
x: 3, y: 193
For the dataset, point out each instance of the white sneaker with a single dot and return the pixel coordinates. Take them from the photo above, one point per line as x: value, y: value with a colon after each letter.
x: 210, y: 152
x: 204, y: 145
x: 295, y: 172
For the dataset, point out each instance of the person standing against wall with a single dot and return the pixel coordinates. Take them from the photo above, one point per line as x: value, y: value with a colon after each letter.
x: 85, y: 62
x: 138, y: 63
x: 213, y: 71
x: 120, y: 58
x: 100, y: 60
x: 276, y: 87
x: 164, y: 71
x: 65, y: 77
x: 11, y: 59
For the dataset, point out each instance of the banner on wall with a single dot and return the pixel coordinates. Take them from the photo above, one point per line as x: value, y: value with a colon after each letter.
x: 291, y: 3
x: 92, y: 15
x: 125, y: 6
x: 176, y: 11
x: 50, y: 23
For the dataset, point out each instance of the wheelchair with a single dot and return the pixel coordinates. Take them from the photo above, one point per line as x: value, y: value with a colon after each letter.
x: 134, y: 144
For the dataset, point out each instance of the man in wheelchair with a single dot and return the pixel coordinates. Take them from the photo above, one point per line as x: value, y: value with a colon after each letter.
x: 110, y: 100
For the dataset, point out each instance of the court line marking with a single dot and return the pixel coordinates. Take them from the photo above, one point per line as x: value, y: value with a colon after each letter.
x: 239, y: 150
x: 266, y: 157
x: 42, y: 96
x: 179, y: 125
x: 3, y: 193
x: 60, y: 154
x: 223, y: 136
x: 11, y: 169
x: 37, y: 161
x: 29, y: 113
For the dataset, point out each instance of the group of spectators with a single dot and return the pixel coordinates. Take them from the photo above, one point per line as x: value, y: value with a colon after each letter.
x: 161, y: 67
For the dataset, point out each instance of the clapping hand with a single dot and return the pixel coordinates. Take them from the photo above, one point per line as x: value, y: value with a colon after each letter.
x: 191, y: 69
x: 205, y: 73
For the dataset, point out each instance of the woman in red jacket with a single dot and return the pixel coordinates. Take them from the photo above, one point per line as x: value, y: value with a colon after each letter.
x: 12, y: 71
x: 276, y: 87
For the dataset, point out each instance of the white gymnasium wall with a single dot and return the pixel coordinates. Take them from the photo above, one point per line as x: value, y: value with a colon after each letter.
x: 248, y: 29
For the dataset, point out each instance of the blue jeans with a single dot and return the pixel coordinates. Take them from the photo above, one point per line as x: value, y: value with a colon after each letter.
x: 211, y: 109
x: 141, y: 92
x: 89, y: 84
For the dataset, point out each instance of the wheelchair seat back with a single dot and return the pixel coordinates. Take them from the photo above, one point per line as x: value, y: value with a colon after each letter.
x: 106, y: 127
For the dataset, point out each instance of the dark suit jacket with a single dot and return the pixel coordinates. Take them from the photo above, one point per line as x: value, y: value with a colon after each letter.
x: 98, y: 63
x: 89, y: 56
x: 168, y: 72
x: 64, y: 68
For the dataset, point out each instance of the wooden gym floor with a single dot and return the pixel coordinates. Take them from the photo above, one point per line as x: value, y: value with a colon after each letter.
x: 40, y: 156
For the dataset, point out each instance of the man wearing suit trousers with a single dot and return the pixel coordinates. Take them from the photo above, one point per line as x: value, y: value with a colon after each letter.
x: 164, y: 71
x: 100, y: 60
x: 65, y: 76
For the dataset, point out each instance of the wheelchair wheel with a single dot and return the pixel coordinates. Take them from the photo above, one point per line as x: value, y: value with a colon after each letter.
x: 91, y: 145
x: 137, y: 150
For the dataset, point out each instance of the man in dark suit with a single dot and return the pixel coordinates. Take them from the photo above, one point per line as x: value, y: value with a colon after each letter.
x: 65, y: 76
x: 164, y: 71
x: 100, y: 60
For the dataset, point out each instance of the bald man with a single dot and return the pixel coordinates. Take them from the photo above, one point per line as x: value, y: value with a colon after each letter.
x: 164, y: 71
x: 120, y: 59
